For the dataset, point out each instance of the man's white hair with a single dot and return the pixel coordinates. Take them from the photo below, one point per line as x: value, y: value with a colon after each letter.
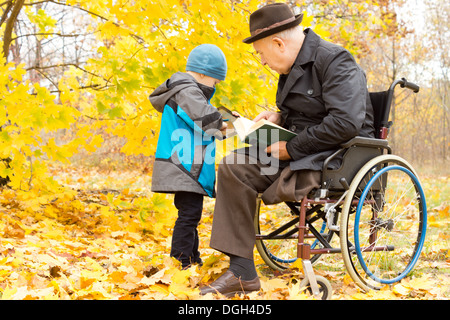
x: 288, y: 34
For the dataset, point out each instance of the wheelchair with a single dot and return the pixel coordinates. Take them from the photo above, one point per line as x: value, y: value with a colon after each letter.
x: 373, y: 204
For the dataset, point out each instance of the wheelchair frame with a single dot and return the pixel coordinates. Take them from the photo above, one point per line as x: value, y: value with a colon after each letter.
x: 337, y: 197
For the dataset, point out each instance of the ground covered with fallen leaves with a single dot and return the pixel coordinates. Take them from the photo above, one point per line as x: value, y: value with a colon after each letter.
x: 106, y: 236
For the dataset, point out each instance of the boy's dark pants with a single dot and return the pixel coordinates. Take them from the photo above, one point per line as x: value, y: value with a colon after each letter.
x: 185, y: 235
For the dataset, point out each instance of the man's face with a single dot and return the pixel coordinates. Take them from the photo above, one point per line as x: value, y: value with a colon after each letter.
x: 273, y: 53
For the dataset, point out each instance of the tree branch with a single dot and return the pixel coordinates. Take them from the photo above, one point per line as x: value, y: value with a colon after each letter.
x: 65, y: 65
x: 138, y: 38
x: 52, y: 34
x: 6, y: 11
x: 67, y: 5
x: 18, y: 4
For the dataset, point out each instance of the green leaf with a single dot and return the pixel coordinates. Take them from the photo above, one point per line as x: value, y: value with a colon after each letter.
x: 101, y: 108
x: 115, y: 112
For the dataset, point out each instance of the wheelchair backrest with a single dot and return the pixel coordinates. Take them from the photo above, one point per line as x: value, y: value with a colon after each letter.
x: 379, y: 100
x: 381, y: 103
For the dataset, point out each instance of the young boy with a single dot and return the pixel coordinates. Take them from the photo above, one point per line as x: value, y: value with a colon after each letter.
x: 185, y: 154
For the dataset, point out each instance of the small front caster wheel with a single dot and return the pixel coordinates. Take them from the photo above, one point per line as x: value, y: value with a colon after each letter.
x: 324, y: 287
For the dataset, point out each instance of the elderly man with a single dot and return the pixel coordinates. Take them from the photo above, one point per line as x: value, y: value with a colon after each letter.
x: 322, y: 96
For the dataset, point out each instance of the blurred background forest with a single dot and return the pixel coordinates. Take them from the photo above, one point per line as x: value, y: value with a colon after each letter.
x: 101, y: 60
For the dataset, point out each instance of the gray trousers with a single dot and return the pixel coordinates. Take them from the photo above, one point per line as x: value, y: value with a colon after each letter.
x: 239, y: 181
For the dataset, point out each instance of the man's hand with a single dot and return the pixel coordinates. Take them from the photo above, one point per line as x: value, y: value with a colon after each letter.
x: 274, y: 117
x: 278, y: 150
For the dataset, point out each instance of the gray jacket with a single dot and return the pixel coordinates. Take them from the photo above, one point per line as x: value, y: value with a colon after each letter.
x: 185, y: 155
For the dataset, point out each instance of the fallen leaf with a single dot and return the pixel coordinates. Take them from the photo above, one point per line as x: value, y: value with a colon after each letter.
x: 401, y: 290
x: 14, y: 230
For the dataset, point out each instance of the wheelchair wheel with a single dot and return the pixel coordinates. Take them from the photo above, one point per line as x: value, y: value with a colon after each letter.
x: 383, y: 222
x: 277, y: 232
x: 324, y: 287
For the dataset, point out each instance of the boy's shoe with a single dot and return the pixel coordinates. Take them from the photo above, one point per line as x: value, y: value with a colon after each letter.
x: 228, y: 285
x: 198, y: 261
x: 186, y: 265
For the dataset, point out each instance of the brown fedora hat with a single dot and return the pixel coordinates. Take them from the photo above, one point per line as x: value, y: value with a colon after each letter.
x: 271, y: 19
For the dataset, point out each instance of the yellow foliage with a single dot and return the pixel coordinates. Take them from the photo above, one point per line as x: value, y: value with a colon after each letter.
x: 142, y: 44
x: 76, y: 238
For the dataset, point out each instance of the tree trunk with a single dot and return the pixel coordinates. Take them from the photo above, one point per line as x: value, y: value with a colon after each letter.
x: 17, y: 6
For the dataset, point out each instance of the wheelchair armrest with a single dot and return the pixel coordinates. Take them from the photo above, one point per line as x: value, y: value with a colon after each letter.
x: 366, y: 142
x: 371, y: 143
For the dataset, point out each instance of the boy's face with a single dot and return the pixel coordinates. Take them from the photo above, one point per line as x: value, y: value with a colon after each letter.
x: 204, y: 79
x: 209, y: 81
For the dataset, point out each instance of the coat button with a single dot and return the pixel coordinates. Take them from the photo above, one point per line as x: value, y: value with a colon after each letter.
x: 310, y: 91
x: 293, y: 128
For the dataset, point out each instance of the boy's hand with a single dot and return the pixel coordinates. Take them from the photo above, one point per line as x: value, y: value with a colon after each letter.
x: 224, y: 127
x: 278, y: 150
x: 274, y: 117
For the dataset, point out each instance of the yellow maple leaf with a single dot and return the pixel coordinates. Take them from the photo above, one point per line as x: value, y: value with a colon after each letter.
x: 423, y: 283
x: 8, y: 293
x: 182, y: 291
x: 401, y: 290
x: 297, y: 264
x: 160, y: 287
x: 295, y: 293
x: 180, y: 276
x: 117, y: 276
x: 273, y: 284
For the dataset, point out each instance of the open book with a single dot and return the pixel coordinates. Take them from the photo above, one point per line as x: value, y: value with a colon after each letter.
x: 262, y: 131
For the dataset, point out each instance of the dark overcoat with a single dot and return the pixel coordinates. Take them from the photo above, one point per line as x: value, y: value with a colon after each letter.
x: 324, y: 99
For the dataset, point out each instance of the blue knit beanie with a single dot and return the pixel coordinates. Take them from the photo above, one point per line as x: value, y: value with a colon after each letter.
x: 209, y: 60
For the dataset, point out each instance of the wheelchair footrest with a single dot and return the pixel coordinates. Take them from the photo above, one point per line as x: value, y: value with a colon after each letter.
x: 311, y: 276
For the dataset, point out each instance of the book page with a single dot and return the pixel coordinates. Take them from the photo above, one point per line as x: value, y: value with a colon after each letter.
x: 243, y: 127
x: 262, y: 122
